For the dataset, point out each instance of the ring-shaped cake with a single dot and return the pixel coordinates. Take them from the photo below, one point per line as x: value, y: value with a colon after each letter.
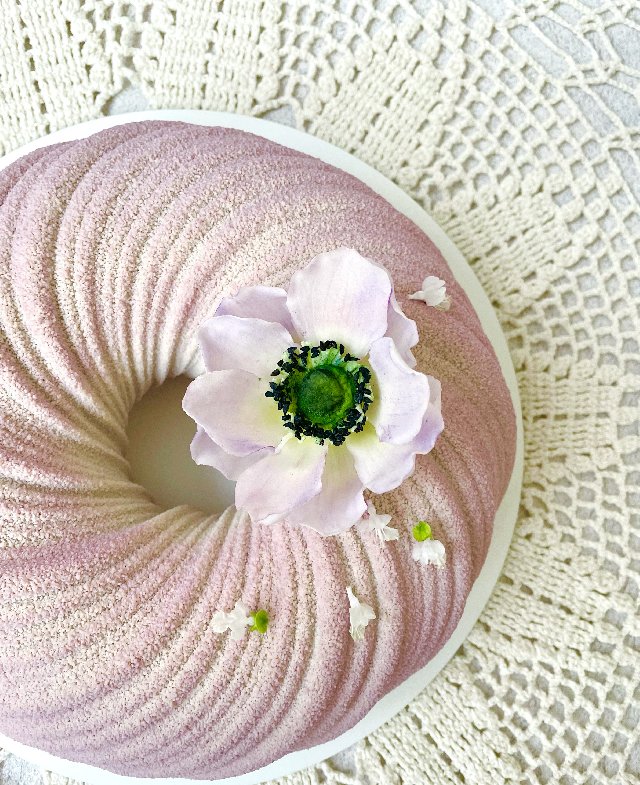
x: 113, y: 250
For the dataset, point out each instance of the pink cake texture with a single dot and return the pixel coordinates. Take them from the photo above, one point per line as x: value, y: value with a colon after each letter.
x: 113, y: 250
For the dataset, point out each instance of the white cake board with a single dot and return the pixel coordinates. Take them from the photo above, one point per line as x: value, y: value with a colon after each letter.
x: 506, y: 515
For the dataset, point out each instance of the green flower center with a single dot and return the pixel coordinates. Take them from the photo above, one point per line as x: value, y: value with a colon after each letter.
x: 325, y: 395
x: 322, y: 391
x: 260, y: 622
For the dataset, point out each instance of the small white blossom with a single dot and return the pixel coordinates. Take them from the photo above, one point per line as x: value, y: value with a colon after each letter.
x: 433, y: 292
x: 219, y: 622
x: 429, y: 552
x: 236, y: 620
x: 360, y: 614
x: 378, y: 522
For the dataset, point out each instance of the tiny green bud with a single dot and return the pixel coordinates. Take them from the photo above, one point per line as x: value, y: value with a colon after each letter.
x: 260, y: 621
x: 422, y: 531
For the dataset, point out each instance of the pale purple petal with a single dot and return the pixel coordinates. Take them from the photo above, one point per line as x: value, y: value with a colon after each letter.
x: 432, y: 424
x: 252, y: 345
x: 381, y: 466
x: 401, y: 395
x: 281, y: 481
x: 232, y: 408
x: 402, y: 330
x: 258, y: 302
x: 340, y: 296
x: 340, y: 504
x: 399, y: 327
x: 205, y: 452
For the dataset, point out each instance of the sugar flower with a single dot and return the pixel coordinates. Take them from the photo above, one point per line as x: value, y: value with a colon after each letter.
x: 429, y: 552
x: 426, y: 550
x: 360, y: 614
x: 433, y: 292
x: 238, y: 620
x: 310, y: 395
x: 379, y: 523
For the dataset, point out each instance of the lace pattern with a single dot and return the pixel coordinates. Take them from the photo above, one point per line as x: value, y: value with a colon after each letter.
x: 517, y: 126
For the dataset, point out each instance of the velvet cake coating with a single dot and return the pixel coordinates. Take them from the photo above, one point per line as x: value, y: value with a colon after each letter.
x: 113, y: 250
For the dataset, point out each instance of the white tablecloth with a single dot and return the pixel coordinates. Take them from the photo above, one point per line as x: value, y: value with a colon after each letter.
x: 517, y: 126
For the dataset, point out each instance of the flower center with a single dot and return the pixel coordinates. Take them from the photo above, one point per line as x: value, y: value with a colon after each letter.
x: 325, y: 395
x: 322, y: 391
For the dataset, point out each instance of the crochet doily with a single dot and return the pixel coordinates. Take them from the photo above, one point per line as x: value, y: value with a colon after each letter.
x: 517, y: 126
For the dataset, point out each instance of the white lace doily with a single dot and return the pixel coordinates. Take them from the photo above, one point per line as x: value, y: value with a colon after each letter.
x: 517, y: 126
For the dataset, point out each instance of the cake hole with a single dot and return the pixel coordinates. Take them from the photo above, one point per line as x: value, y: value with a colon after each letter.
x: 159, y: 435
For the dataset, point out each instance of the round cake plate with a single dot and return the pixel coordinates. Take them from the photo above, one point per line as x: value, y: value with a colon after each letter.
x: 505, y: 519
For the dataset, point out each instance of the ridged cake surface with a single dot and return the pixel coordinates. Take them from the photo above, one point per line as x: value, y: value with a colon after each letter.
x: 113, y: 250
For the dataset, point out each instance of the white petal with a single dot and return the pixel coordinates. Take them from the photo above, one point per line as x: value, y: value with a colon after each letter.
x: 238, y: 619
x: 239, y: 614
x: 238, y: 628
x: 281, y: 481
x: 378, y: 523
x: 258, y: 302
x: 340, y: 296
x: 360, y: 614
x: 433, y: 291
x: 429, y: 552
x: 219, y: 622
x: 340, y: 503
x: 401, y: 397
x: 402, y: 330
x: 205, y: 451
x: 232, y: 408
x: 252, y: 345
x: 376, y: 518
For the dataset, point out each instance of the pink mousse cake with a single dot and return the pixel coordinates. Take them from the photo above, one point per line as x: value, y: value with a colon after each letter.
x: 113, y: 250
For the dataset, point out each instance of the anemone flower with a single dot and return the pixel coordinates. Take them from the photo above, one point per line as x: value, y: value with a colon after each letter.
x: 310, y: 395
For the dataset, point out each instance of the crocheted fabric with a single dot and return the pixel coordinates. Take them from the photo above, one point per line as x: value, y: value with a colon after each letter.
x: 517, y: 127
